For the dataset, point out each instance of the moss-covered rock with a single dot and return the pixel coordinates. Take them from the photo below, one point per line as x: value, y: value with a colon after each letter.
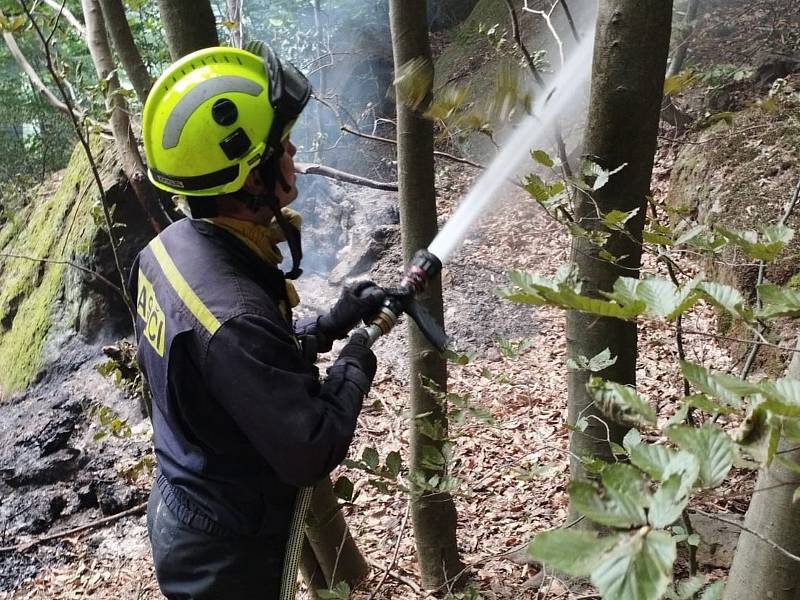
x: 38, y: 299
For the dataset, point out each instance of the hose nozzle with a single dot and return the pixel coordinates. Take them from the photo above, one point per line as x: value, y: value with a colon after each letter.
x: 423, y: 267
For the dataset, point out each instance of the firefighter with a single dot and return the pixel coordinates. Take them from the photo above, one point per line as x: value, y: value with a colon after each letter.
x: 241, y: 420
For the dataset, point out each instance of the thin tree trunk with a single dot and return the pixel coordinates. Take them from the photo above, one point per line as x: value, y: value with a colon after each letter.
x: 433, y: 514
x: 631, y: 45
x: 334, y: 549
x: 759, y: 570
x: 120, y: 32
x: 236, y: 27
x: 676, y: 64
x: 120, y: 123
x: 189, y: 25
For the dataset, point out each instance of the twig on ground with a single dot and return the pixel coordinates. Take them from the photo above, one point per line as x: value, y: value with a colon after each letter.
x: 59, y: 534
x: 395, y: 554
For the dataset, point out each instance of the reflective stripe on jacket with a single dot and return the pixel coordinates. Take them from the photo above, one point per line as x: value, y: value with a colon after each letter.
x: 240, y: 417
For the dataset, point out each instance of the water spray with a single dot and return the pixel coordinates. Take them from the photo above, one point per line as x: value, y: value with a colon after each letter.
x: 564, y: 89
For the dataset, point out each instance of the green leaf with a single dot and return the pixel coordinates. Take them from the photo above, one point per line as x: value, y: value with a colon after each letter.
x: 616, y: 219
x: 727, y: 388
x: 432, y: 458
x: 621, y: 403
x: 672, y: 495
x: 778, y: 301
x: 727, y: 298
x: 662, y: 298
x: 783, y: 397
x: 574, y: 551
x: 543, y: 158
x: 687, y: 588
x: 653, y: 459
x: 632, y: 438
x: 621, y: 502
x: 597, y: 363
x: 371, y: 458
x: 714, y: 591
x: 343, y: 488
x: 394, y: 463
x: 767, y: 248
x: 638, y: 568
x: 596, y: 176
x: 341, y: 591
x: 564, y: 292
x: 713, y: 448
x: 709, y: 405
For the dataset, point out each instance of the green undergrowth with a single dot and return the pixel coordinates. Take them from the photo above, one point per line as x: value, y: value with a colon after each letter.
x: 57, y: 226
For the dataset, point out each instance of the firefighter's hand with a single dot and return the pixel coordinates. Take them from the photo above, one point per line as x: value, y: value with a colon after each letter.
x: 358, y: 302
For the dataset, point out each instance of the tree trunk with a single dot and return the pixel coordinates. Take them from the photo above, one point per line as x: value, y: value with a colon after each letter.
x: 433, y: 514
x: 328, y: 536
x: 676, y: 64
x: 189, y: 25
x: 758, y: 570
x: 311, y: 570
x: 631, y: 45
x: 236, y: 26
x: 120, y: 32
x: 128, y: 151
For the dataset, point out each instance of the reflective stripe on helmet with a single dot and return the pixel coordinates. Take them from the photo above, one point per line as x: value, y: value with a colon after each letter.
x: 199, y: 94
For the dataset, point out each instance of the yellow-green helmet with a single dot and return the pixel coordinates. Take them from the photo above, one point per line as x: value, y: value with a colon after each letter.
x: 215, y: 114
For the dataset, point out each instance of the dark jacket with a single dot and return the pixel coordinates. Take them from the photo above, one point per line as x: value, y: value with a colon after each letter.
x: 240, y: 417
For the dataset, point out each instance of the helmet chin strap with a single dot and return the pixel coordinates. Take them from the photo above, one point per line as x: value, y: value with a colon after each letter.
x: 271, y: 175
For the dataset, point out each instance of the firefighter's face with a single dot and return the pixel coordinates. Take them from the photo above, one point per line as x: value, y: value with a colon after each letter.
x: 255, y: 185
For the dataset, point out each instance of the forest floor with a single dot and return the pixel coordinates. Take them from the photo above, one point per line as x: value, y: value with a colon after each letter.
x: 513, y: 471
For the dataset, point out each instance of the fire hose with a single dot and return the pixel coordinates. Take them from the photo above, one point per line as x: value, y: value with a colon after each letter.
x: 424, y: 266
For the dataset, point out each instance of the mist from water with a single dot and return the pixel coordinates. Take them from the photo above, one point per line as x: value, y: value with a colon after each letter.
x: 533, y: 132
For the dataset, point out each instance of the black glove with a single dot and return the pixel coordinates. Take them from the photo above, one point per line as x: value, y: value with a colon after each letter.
x: 356, y: 364
x: 358, y: 301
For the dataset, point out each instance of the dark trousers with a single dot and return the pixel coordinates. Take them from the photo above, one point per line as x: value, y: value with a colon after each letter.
x: 194, y: 565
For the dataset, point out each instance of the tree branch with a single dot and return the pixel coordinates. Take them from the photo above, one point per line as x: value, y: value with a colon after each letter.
x: 117, y: 25
x: 375, y: 138
x: 741, y: 526
x: 59, y: 534
x: 132, y: 163
x: 68, y: 15
x: 312, y: 169
x: 55, y: 261
x: 34, y: 78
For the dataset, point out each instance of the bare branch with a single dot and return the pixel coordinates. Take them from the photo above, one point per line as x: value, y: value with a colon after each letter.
x: 36, y: 81
x: 68, y: 15
x: 312, y: 169
x: 55, y: 261
x: 59, y: 534
x: 375, y: 138
x: 741, y: 526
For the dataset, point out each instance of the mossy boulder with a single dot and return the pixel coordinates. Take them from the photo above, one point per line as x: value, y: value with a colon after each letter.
x: 45, y: 298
